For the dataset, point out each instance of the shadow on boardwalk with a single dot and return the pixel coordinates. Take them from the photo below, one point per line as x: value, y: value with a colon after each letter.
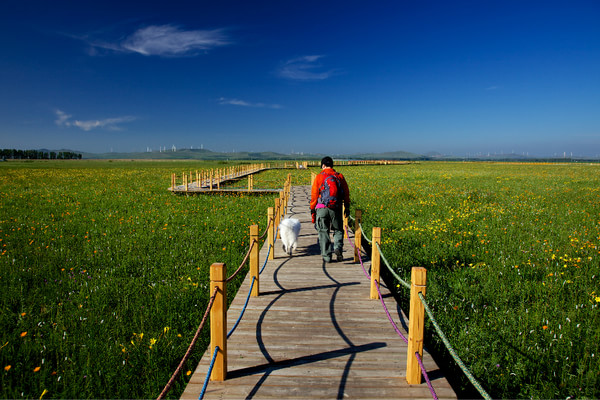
x: 314, y: 333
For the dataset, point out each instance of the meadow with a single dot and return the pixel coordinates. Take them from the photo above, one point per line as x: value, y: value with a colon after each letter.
x: 104, y: 274
x: 513, y: 259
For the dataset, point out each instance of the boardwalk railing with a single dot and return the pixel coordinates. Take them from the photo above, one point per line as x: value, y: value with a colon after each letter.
x: 217, y: 306
x: 211, y: 179
x: 418, y: 307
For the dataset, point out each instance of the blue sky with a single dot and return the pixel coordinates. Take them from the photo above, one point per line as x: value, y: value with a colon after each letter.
x: 454, y: 77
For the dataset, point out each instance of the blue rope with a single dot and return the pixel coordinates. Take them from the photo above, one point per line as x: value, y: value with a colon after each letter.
x: 243, y: 309
x: 210, y: 367
x: 266, y: 259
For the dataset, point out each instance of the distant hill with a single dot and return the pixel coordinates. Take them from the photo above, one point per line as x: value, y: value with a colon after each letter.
x: 202, y: 154
x: 194, y: 154
x: 393, y: 155
x: 208, y: 155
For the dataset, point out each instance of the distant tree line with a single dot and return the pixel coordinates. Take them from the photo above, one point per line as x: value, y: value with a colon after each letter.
x: 13, y: 154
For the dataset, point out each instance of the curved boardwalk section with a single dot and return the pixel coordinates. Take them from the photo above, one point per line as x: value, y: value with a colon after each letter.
x: 314, y: 333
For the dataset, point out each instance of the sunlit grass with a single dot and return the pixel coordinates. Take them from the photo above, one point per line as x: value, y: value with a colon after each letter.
x: 513, y: 259
x: 104, y: 274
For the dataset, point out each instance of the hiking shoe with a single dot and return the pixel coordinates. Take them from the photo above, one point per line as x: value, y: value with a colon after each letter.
x: 338, y: 254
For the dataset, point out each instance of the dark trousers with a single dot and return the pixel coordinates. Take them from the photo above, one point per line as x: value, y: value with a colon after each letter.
x: 330, y: 220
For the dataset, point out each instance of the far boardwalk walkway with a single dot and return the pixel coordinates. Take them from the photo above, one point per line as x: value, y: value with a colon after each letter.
x: 314, y: 333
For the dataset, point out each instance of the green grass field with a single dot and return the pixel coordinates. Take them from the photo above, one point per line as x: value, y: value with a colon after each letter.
x: 104, y: 273
x: 512, y: 253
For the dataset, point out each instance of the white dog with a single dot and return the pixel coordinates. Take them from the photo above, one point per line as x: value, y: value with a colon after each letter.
x: 289, y: 229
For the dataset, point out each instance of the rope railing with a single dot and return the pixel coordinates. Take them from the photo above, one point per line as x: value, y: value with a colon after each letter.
x: 394, y: 274
x: 243, y: 262
x: 452, y: 351
x: 190, y: 348
x: 217, y: 304
x: 218, y: 313
x: 429, y: 385
x: 210, y: 368
x: 243, y: 310
x: 366, y: 238
x: 417, y: 291
x: 380, y: 297
x: 266, y: 259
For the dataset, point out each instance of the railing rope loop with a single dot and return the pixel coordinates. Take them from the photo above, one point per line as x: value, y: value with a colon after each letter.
x: 395, y: 275
x: 190, y: 348
x: 210, y: 368
x: 242, y: 264
x: 243, y: 310
x: 453, y: 353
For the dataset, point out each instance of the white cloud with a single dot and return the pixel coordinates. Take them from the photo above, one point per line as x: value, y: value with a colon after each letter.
x: 242, y: 103
x: 165, y: 40
x: 64, y: 119
x: 305, y: 68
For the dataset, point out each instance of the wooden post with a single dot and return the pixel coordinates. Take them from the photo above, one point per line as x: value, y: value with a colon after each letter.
x: 375, y: 262
x: 357, y: 235
x: 345, y: 219
x: 218, y: 320
x: 173, y: 179
x: 254, y: 272
x: 277, y: 216
x: 210, y: 182
x: 250, y: 182
x: 416, y: 325
x: 185, y: 182
x: 271, y: 231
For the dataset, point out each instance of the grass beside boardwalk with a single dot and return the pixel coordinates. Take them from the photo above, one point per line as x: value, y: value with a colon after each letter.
x: 512, y: 252
x: 104, y: 274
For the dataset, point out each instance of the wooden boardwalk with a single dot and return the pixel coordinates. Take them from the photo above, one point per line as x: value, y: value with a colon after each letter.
x: 314, y: 333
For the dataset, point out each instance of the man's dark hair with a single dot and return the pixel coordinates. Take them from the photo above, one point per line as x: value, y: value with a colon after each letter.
x: 327, y: 161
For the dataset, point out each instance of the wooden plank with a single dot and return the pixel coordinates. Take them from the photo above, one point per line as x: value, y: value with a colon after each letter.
x: 313, y: 332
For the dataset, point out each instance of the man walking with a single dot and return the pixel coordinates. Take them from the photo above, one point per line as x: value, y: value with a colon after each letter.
x: 329, y: 192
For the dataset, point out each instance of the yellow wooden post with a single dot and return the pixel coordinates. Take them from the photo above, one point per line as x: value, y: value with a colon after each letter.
x: 277, y: 216
x: 210, y: 182
x: 375, y: 262
x: 173, y: 179
x: 254, y: 272
x: 357, y: 235
x: 271, y: 232
x: 345, y: 219
x: 416, y: 325
x: 250, y: 182
x: 185, y: 182
x: 218, y: 320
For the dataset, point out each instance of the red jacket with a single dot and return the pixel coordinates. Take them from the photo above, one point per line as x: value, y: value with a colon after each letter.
x: 314, y: 194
